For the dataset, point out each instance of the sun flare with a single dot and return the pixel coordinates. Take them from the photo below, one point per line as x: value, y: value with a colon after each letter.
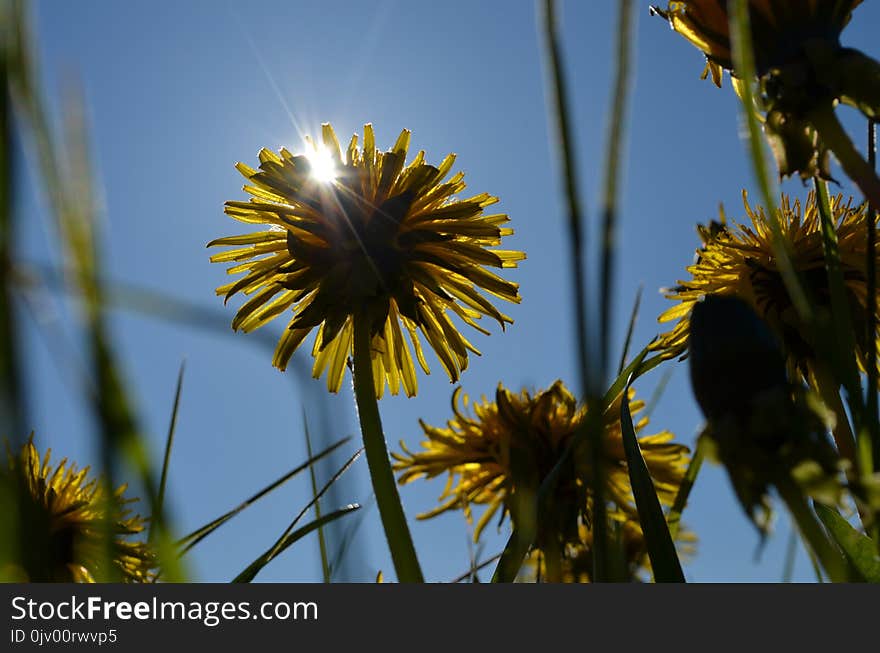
x: 323, y: 166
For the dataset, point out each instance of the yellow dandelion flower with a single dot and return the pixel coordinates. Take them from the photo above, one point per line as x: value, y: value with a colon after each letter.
x: 629, y: 552
x: 738, y: 260
x: 780, y: 28
x: 364, y: 236
x: 62, y: 517
x: 511, y: 444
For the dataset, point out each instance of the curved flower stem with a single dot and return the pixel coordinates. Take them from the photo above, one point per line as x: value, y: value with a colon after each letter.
x: 811, y: 531
x: 403, y: 553
x: 836, y: 139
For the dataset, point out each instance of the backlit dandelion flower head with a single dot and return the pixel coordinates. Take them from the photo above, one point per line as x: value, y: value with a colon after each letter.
x: 63, y: 516
x: 779, y: 29
x: 738, y: 259
x: 510, y: 445
x: 365, y: 236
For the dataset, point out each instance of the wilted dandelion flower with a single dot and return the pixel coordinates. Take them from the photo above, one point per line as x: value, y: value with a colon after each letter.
x: 739, y: 260
x: 365, y: 237
x: 62, y: 517
x: 780, y: 28
x: 510, y: 445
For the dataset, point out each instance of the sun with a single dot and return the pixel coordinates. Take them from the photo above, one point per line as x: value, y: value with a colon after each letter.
x: 323, y: 165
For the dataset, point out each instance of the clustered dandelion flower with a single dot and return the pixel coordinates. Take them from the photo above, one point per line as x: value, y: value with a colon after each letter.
x: 64, y: 517
x: 738, y: 259
x: 510, y: 445
x: 779, y: 29
x: 365, y: 236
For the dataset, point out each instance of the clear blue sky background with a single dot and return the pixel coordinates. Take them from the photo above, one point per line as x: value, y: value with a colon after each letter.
x: 178, y: 92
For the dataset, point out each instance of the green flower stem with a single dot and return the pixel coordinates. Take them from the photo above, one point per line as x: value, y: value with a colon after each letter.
x: 811, y: 531
x: 834, y: 137
x: 403, y: 553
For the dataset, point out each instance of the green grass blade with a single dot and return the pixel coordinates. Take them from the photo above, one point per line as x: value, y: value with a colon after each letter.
x: 661, y: 549
x: 322, y: 544
x: 189, y: 541
x: 169, y: 443
x: 289, y: 536
x: 673, y: 519
x: 633, y: 317
x: 251, y: 571
x: 859, y: 550
x: 472, y: 572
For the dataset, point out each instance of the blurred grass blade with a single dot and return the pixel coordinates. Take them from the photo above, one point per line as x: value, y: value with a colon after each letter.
x: 322, y: 545
x: 287, y: 540
x: 673, y: 519
x: 169, y: 442
x: 12, y: 420
x: 661, y: 549
x: 591, y: 375
x: 842, y: 347
x: 633, y: 317
x: 859, y: 550
x: 659, y: 391
x: 872, y: 410
x: 744, y: 64
x: 613, y: 156
x: 199, y: 534
x: 790, y: 555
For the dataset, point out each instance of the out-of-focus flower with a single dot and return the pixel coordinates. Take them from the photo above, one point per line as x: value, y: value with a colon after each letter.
x: 765, y: 430
x: 738, y: 260
x: 362, y: 236
x: 500, y: 456
x: 70, y: 527
x: 780, y: 29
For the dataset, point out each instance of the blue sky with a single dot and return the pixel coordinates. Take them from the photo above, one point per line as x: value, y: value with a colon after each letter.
x: 178, y: 92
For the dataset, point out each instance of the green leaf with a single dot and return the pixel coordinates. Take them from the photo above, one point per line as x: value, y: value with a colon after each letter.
x: 859, y: 550
x: 661, y: 550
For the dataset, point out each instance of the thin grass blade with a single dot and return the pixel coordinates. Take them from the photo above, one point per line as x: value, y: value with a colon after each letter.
x: 251, y: 571
x: 189, y: 541
x: 673, y: 519
x: 322, y: 545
